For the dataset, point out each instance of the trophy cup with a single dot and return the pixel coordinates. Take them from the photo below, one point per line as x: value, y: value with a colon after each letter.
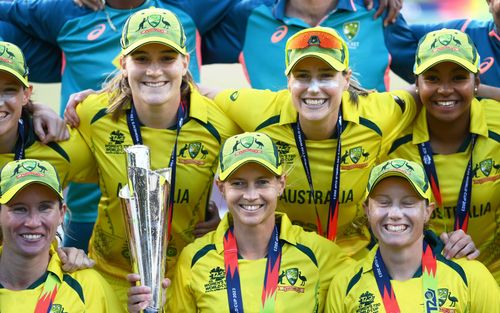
x: 145, y: 200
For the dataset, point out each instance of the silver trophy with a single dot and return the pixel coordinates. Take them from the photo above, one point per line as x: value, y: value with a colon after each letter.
x: 145, y: 199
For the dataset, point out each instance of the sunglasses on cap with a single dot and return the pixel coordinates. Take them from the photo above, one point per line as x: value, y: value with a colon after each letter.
x: 314, y: 39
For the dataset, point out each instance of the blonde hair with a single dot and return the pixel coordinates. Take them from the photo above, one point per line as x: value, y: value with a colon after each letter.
x: 120, y: 93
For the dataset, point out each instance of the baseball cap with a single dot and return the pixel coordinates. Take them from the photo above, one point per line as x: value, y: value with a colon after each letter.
x: 320, y: 42
x: 446, y: 45
x: 16, y: 175
x: 153, y: 25
x: 411, y: 171
x: 12, y: 61
x: 245, y: 148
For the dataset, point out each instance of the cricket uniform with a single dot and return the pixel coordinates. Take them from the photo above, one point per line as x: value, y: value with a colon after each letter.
x: 369, y: 128
x: 308, y: 264
x: 484, y: 214
x: 482, y: 33
x: 197, y: 154
x: 463, y: 286
x: 80, y: 291
x: 92, y: 52
x: 254, y: 33
x: 62, y: 155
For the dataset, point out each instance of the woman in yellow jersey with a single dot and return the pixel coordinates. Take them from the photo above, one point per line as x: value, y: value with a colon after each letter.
x: 31, y: 274
x: 406, y: 271
x: 329, y: 131
x: 457, y: 139
x: 256, y: 260
x: 152, y: 101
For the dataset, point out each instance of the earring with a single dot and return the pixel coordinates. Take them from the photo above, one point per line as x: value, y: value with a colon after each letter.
x: 416, y: 90
x: 475, y: 90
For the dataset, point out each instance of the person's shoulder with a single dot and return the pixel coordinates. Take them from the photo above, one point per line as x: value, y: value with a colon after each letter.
x: 199, y: 248
x: 94, y: 104
x: 491, y: 110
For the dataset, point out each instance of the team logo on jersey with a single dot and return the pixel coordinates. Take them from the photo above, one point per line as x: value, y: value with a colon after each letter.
x: 192, y: 153
x: 445, y: 295
x: 354, y: 155
x: 351, y: 29
x: 115, y: 144
x: 284, y: 152
x: 234, y: 96
x: 57, y: 308
x: 485, y: 171
x: 366, y: 303
x: 293, y: 276
x: 216, y: 280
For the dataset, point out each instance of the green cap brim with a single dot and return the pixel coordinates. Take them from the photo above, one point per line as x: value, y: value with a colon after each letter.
x: 333, y: 62
x: 423, y: 194
x: 446, y: 58
x: 11, y: 193
x: 22, y: 79
x: 148, y: 40
x: 223, y: 175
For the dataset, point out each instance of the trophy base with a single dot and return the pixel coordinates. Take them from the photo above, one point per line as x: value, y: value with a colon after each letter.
x: 152, y: 310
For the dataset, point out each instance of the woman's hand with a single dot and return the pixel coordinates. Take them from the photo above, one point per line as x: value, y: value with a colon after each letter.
x: 94, y: 5
x: 458, y: 244
x: 47, y: 125
x: 70, y: 115
x: 392, y: 6
x: 211, y: 223
x: 139, y: 297
x: 74, y: 259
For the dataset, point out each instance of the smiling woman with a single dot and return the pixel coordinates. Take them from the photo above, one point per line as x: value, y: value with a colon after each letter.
x: 31, y: 210
x: 406, y: 271
x: 457, y: 138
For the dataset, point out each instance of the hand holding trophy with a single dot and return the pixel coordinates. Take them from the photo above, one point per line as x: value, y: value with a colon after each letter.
x: 145, y: 201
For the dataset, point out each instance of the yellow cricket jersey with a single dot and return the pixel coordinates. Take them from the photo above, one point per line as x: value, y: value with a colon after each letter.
x: 197, y: 154
x: 72, y: 159
x: 463, y: 286
x: 80, y: 291
x: 484, y: 215
x: 308, y: 264
x: 369, y: 128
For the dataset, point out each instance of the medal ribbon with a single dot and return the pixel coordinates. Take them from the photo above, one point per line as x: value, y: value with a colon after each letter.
x: 49, y: 292
x: 429, y: 284
x: 333, y: 212
x: 464, y: 197
x: 135, y: 132
x: 19, y: 150
x: 233, y: 285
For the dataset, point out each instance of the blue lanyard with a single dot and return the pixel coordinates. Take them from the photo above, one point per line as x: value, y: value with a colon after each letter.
x: 331, y: 230
x: 135, y: 131
x: 464, y: 197
x: 233, y: 285
x: 19, y: 153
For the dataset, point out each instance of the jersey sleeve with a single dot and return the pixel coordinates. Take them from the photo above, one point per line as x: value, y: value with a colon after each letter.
x: 484, y: 291
x: 248, y: 108
x: 336, y: 294
x: 179, y: 296
x: 40, y: 18
x: 403, y: 111
x: 43, y: 59
x: 98, y: 294
x: 83, y: 168
x: 224, y: 42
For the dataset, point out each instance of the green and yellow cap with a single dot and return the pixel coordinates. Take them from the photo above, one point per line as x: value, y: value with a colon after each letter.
x: 446, y: 45
x: 245, y: 148
x: 16, y: 175
x: 413, y: 172
x: 153, y: 25
x: 12, y: 61
x: 321, y: 42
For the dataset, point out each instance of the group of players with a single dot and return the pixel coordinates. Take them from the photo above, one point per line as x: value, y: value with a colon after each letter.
x: 311, y: 152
